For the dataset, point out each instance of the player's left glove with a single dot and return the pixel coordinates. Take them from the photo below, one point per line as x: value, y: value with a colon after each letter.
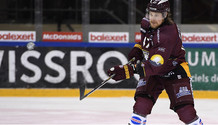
x: 121, y: 72
x: 135, y: 53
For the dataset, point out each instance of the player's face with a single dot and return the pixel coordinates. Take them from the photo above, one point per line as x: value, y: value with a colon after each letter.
x: 156, y: 19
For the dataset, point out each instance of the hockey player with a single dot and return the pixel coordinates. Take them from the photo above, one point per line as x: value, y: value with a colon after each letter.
x: 160, y: 63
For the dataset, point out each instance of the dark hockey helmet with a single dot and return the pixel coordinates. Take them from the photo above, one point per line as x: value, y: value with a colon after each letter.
x: 159, y: 6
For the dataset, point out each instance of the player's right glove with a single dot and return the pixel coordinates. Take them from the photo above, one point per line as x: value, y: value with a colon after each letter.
x: 137, y: 53
x: 121, y: 72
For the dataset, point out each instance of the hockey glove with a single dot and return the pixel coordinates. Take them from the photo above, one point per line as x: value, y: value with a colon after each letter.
x: 137, y: 53
x: 140, y: 69
x: 121, y: 72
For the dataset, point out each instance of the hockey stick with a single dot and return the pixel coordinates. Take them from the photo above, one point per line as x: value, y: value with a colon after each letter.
x: 82, y: 88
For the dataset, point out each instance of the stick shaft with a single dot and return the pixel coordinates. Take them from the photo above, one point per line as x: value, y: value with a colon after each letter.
x: 82, y: 96
x: 99, y: 86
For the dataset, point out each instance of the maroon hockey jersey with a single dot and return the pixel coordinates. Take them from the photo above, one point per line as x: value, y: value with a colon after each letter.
x: 162, y: 48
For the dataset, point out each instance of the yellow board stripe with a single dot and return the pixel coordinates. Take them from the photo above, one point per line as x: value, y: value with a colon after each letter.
x: 126, y: 71
x: 98, y: 93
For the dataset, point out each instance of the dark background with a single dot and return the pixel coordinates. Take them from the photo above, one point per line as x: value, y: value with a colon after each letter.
x: 101, y: 11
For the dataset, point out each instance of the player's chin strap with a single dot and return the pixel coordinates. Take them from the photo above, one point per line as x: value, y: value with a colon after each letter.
x: 137, y: 120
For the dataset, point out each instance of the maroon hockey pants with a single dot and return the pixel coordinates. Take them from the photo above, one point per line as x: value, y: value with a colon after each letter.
x: 178, y: 90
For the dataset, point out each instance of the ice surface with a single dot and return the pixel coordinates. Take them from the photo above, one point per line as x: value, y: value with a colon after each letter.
x: 114, y: 111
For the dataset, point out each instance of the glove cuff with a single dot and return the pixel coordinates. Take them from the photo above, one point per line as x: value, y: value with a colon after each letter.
x: 128, y: 71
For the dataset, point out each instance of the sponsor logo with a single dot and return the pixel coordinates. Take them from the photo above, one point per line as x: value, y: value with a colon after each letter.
x: 189, y: 37
x: 141, y: 83
x: 137, y: 37
x: 17, y: 36
x: 56, y: 65
x: 158, y: 35
x: 136, y: 120
x: 162, y: 49
x: 183, y: 91
x: 174, y: 63
x: 109, y: 37
x: 200, y: 122
x: 199, y: 37
x: 157, y: 60
x: 63, y: 36
x: 151, y: 8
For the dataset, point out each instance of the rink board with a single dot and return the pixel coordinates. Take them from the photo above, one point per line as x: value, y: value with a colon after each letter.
x: 98, y: 93
x: 17, y: 75
x: 70, y: 65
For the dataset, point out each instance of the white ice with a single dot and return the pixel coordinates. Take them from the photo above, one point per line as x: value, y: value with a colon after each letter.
x: 34, y: 110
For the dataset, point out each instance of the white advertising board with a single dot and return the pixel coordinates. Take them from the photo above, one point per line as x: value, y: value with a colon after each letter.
x: 191, y: 37
x: 109, y: 37
x: 15, y: 36
x: 199, y: 37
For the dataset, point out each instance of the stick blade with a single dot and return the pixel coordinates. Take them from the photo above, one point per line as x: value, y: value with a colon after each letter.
x: 82, y: 91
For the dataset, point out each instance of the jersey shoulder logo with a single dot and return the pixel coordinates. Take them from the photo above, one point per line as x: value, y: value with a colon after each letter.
x: 157, y: 60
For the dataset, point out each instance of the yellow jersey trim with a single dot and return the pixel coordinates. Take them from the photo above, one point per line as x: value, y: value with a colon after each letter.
x: 186, y: 68
x: 138, y: 46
